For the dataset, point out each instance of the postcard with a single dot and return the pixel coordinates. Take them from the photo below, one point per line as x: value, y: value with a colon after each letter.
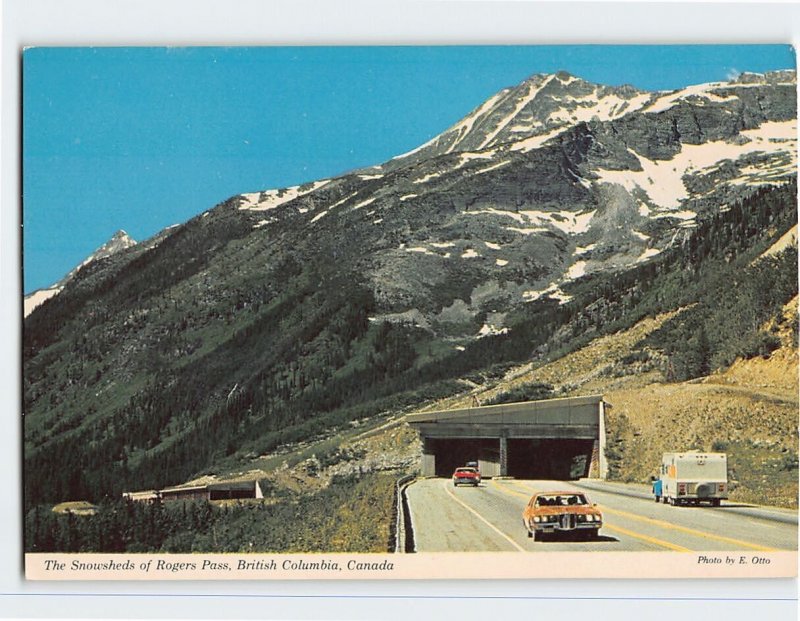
x: 350, y: 313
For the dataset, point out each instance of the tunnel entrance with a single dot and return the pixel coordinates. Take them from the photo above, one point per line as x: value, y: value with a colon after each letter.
x: 549, y: 459
x: 528, y: 458
x: 452, y: 453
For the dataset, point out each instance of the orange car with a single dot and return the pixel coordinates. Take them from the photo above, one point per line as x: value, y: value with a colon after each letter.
x: 561, y: 512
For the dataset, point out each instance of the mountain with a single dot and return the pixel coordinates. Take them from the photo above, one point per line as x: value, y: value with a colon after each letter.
x: 553, y: 179
x: 556, y: 211
x: 118, y: 242
x: 538, y: 109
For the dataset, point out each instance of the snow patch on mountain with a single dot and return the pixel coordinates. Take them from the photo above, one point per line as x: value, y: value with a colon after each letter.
x: 534, y: 142
x: 533, y: 90
x: 606, y: 108
x: 648, y: 254
x: 576, y: 270
x: 491, y: 330
x: 514, y: 215
x: 492, y: 167
x: 662, y: 180
x: 466, y: 158
x: 270, y: 199
x: 553, y: 291
x: 542, y: 221
x: 341, y: 201
x: 420, y: 249
x: 119, y: 241
x: 466, y: 125
x: 37, y: 298
x: 528, y: 230
x: 363, y: 203
x: 572, y: 223
x: 698, y: 92
x: 427, y: 177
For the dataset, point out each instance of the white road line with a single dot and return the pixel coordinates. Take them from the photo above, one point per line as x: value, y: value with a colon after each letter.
x: 482, y: 519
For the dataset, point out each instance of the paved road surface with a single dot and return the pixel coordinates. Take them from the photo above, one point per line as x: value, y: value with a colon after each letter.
x: 489, y: 518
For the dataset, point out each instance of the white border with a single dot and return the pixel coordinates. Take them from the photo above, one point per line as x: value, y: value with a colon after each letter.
x: 322, y: 22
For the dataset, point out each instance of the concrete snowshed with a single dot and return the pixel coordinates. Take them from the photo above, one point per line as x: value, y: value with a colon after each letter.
x: 549, y: 439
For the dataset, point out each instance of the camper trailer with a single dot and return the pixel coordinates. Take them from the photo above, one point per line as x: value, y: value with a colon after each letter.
x: 692, y: 478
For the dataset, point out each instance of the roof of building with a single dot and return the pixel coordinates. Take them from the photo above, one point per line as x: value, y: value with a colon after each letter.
x: 187, y: 488
x: 492, y: 413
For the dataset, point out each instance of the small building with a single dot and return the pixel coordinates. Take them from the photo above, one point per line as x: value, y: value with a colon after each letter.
x: 234, y: 490
x: 186, y: 492
x: 226, y: 490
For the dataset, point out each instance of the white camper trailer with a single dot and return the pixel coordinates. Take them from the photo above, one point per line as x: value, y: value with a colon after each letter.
x: 691, y: 478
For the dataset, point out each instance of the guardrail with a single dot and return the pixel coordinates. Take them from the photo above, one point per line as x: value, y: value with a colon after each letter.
x: 402, y: 538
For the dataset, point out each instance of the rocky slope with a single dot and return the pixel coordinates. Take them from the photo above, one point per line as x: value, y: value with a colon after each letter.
x: 542, y: 184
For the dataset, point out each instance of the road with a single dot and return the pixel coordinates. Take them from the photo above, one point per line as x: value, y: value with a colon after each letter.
x: 489, y: 518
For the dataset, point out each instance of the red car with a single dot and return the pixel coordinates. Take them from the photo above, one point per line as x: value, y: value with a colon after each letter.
x: 466, y: 476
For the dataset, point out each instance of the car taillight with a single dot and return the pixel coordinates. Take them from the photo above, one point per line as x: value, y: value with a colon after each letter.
x: 681, y: 488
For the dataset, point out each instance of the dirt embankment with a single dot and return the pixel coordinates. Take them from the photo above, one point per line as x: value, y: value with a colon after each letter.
x: 749, y: 411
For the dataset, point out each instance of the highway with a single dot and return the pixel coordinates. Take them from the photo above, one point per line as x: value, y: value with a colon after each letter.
x: 489, y: 518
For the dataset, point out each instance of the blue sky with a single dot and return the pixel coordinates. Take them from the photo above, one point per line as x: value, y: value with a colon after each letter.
x: 143, y: 138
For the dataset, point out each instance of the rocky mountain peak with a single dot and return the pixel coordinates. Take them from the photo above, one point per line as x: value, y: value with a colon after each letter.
x: 785, y: 76
x: 119, y: 241
x: 539, y: 108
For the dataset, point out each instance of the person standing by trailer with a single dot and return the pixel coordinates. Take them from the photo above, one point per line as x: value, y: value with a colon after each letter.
x: 658, y: 488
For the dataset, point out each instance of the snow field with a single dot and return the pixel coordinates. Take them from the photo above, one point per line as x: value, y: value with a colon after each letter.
x: 662, y: 180
x: 263, y: 201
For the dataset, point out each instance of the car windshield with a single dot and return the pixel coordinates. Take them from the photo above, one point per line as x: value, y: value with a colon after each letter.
x: 466, y: 470
x: 561, y: 500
